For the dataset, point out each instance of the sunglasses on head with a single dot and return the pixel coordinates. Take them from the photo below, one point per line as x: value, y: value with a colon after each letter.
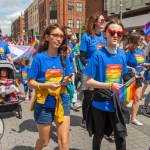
x: 113, y: 32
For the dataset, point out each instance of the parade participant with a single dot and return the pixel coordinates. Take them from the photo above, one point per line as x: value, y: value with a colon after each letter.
x: 135, y: 62
x: 4, y: 50
x: 47, y: 76
x: 73, y: 93
x: 105, y: 71
x: 145, y: 109
x: 24, y: 69
x: 92, y: 40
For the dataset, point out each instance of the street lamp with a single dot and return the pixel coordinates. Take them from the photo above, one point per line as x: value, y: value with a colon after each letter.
x: 120, y: 10
x: 80, y: 25
x: 72, y: 15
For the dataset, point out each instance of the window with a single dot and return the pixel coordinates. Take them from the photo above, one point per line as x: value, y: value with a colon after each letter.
x: 70, y: 23
x: 79, y: 7
x: 70, y: 6
x: 105, y: 4
x: 53, y: 6
x: 53, y: 20
x: 53, y: 12
x: 79, y: 24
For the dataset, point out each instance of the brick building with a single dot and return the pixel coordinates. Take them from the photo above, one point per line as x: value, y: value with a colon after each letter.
x: 17, y: 28
x: 65, y: 12
x: 96, y: 6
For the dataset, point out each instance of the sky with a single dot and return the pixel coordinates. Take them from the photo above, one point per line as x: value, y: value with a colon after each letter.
x: 10, y: 10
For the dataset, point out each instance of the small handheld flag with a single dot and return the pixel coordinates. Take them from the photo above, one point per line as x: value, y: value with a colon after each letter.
x: 17, y: 82
x: 34, y: 43
x: 127, y: 92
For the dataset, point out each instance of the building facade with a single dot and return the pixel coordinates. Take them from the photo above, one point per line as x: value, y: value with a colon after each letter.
x: 33, y: 19
x: 65, y: 12
x: 96, y: 6
x: 134, y: 14
x: 17, y: 29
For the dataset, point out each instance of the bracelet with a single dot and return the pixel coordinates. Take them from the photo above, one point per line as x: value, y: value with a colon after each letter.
x: 110, y: 85
x: 39, y: 87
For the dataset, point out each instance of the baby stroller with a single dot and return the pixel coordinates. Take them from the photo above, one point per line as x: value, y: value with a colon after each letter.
x: 5, y: 104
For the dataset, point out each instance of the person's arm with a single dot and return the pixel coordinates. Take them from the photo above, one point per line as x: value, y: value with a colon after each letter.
x: 131, y: 68
x: 36, y: 85
x: 9, y: 58
x: 96, y: 84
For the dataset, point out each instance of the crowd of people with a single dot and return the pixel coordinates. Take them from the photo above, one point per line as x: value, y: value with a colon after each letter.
x: 63, y: 69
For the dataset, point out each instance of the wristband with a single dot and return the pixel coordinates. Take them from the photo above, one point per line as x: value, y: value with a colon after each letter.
x: 39, y: 87
x: 110, y: 85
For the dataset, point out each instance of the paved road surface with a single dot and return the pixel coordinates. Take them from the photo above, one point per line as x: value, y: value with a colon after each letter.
x: 21, y: 134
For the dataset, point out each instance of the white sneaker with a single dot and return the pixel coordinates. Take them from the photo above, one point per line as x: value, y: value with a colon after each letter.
x: 136, y: 122
x: 76, y: 106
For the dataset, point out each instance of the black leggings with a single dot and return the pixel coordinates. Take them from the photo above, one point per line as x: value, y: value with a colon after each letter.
x: 87, y: 98
x: 99, y: 118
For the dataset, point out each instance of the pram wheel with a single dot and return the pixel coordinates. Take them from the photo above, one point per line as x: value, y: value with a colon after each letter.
x: 19, y: 112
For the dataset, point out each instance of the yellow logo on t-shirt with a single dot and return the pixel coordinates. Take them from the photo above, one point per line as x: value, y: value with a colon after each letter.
x: 1, y: 51
x: 113, y: 73
x: 53, y: 75
x: 139, y: 58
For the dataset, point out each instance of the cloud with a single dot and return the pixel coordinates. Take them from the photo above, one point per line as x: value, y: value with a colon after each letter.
x: 11, y: 10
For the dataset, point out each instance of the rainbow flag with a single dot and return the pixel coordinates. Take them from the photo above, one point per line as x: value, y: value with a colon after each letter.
x: 127, y: 92
x: 34, y: 43
x: 17, y: 82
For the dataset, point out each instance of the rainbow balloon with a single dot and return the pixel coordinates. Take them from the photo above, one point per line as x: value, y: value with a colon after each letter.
x: 127, y: 92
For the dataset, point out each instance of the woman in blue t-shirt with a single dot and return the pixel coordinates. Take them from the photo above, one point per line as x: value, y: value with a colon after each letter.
x: 92, y: 40
x: 105, y: 70
x: 47, y: 75
x: 135, y: 63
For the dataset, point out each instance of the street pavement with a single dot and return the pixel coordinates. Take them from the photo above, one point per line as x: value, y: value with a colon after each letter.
x: 21, y: 134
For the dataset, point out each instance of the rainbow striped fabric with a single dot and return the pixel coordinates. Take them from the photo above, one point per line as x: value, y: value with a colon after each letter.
x: 17, y: 82
x: 34, y: 43
x: 127, y: 92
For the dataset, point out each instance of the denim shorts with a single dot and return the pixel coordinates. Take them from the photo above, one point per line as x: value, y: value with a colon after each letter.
x: 43, y: 115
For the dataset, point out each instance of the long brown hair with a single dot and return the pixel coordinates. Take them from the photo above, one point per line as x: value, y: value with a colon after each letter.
x: 91, y: 23
x: 44, y: 44
x: 133, y: 40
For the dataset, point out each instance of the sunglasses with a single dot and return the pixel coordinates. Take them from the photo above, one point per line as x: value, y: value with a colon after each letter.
x: 113, y: 32
x: 101, y: 21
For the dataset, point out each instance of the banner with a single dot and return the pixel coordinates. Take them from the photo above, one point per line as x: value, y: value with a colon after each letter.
x: 18, y: 52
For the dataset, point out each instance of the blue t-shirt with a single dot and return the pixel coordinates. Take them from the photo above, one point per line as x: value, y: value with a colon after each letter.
x: 4, y: 50
x: 147, y: 72
x: 135, y: 59
x: 90, y: 44
x: 24, y: 70
x: 71, y: 56
x: 106, y: 67
x: 41, y: 69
